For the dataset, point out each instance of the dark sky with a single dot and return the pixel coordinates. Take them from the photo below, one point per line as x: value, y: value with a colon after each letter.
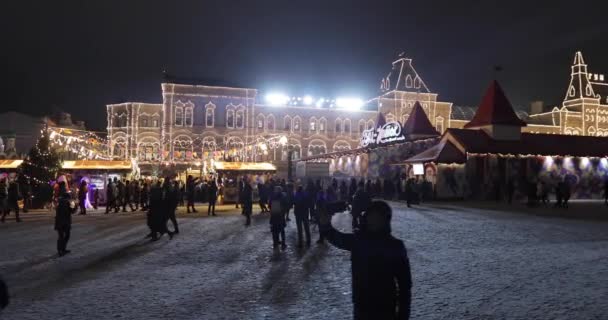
x: 80, y: 55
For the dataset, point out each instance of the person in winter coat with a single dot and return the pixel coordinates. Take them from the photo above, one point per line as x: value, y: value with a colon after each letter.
x: 352, y: 188
x: 12, y: 203
x: 213, y: 192
x: 263, y: 195
x: 190, y: 190
x: 157, y: 216
x: 83, y: 190
x: 381, y: 277
x: 247, y: 197
x: 361, y: 201
x: 63, y: 222
x: 278, y: 201
x: 301, y: 204
x: 110, y: 196
x: 343, y: 191
x: 172, y: 202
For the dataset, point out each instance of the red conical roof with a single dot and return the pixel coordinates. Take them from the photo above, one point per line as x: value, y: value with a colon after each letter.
x: 495, y: 108
x: 418, y: 123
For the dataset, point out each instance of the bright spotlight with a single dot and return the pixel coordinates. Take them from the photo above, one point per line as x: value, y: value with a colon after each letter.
x: 604, y: 162
x: 584, y: 162
x: 549, y: 161
x: 308, y: 100
x: 320, y: 102
x: 349, y: 103
x: 277, y: 99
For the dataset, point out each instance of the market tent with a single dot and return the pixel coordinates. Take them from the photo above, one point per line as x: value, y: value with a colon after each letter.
x: 10, y: 164
x: 97, y: 165
x: 444, y: 152
x: 243, y: 166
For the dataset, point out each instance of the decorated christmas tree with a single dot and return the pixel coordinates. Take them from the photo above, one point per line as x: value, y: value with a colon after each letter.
x: 42, y: 163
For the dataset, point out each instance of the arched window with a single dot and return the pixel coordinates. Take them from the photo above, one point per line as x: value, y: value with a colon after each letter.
x: 270, y: 122
x: 296, y: 149
x: 408, y: 81
x: 287, y: 123
x: 182, y: 148
x: 361, y: 126
x: 338, y: 128
x: 370, y: 124
x: 341, y: 145
x: 240, y: 118
x: 179, y: 114
x: 209, y: 145
x: 316, y: 147
x: 417, y: 83
x: 347, y: 126
x: 322, y: 125
x: 148, y: 149
x: 439, y: 124
x: 297, y: 124
x: 260, y: 122
x: 210, y: 115
x: 312, y: 125
x: 119, y: 148
x: 155, y: 123
x: 188, y: 116
x: 143, y: 121
x: 230, y: 117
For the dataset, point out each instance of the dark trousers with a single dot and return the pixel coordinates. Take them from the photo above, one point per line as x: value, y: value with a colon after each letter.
x: 278, y: 236
x: 63, y: 238
x: 302, y: 223
x: 263, y: 206
x: 247, y: 209
x: 109, y: 204
x: 211, y: 208
x: 190, y: 204
x: 11, y: 205
x: 82, y: 205
x: 173, y: 219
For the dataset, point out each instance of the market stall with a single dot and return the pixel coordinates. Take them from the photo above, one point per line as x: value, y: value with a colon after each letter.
x: 230, y: 172
x: 97, y: 173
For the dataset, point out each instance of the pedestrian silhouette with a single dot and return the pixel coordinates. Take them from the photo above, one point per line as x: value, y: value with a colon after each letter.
x: 381, y: 278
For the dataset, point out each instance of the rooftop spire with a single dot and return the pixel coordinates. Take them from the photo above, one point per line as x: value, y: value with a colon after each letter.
x: 418, y: 123
x: 495, y: 109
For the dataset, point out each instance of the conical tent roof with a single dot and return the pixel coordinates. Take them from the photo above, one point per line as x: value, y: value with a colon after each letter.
x: 418, y: 123
x: 495, y: 109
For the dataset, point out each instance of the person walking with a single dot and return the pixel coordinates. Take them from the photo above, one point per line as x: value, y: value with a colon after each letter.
x: 278, y: 202
x: 83, y: 190
x: 121, y: 198
x: 343, y: 191
x: 12, y: 201
x: 190, y: 189
x: 157, y: 215
x: 288, y: 199
x: 239, y: 190
x: 63, y: 222
x: 144, y: 196
x: 212, y: 191
x: 352, y: 188
x: 247, y: 197
x: 3, y: 197
x: 361, y: 201
x: 381, y: 276
x: 110, y: 196
x: 565, y: 192
x: 301, y: 204
x: 263, y: 195
x: 172, y: 203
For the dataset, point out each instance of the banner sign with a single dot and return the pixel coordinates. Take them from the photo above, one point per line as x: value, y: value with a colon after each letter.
x: 390, y: 132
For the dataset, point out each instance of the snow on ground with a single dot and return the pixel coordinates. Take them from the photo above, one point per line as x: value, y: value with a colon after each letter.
x: 466, y: 263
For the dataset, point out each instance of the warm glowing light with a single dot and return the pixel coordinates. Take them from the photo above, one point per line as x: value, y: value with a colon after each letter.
x: 548, y: 161
x: 308, y: 100
x: 604, y: 162
x: 584, y: 162
x: 277, y: 99
x: 263, y: 146
x: 283, y: 140
x: 349, y: 103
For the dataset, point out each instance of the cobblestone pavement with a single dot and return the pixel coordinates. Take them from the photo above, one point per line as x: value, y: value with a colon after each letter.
x: 466, y: 264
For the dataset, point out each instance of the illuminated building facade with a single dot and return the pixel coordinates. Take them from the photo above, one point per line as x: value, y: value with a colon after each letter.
x: 196, y: 123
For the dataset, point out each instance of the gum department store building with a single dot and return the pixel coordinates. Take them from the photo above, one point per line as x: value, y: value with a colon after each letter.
x: 197, y: 123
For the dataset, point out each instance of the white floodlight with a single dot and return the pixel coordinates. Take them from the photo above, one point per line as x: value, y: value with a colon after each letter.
x: 277, y: 99
x: 320, y: 102
x: 308, y: 100
x: 349, y: 103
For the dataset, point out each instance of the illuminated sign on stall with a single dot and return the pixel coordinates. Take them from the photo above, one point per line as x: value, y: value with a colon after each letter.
x: 390, y: 132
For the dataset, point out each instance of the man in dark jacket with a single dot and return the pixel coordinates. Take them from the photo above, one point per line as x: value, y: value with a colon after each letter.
x: 110, y: 196
x: 63, y: 222
x: 360, y: 202
x: 12, y: 200
x: 157, y: 215
x: 247, y: 197
x: 300, y: 210
x: 190, y: 190
x: 212, y: 198
x: 172, y: 202
x: 381, y: 278
x: 121, y: 200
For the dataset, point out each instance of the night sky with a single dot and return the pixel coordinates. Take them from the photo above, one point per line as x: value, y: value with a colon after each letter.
x: 79, y: 56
